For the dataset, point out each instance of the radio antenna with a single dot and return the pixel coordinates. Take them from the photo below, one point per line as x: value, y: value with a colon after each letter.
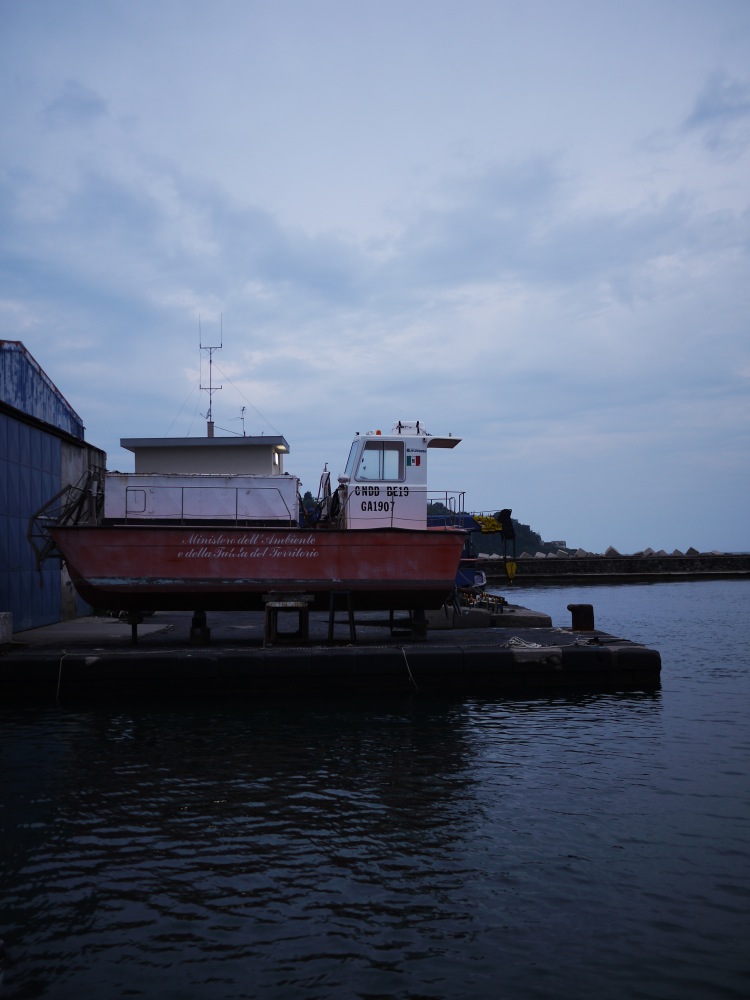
x: 211, y: 388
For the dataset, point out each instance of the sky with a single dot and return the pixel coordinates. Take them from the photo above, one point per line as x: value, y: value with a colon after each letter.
x: 523, y: 224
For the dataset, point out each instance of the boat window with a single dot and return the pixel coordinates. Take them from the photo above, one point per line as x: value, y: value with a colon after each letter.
x: 382, y: 460
x: 349, y: 471
x: 135, y: 502
x: 393, y: 460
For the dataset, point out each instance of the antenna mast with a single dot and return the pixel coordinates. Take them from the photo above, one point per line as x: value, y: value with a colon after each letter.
x: 211, y: 388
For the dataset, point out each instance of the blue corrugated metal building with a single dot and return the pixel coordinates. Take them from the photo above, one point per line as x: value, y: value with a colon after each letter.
x: 42, y: 449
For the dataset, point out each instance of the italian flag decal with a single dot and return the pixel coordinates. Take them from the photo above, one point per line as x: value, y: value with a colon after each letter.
x: 413, y: 459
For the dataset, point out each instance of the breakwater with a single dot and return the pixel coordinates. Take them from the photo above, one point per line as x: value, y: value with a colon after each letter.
x: 619, y: 568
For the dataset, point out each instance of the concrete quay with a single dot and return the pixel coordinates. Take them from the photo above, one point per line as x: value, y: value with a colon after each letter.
x: 516, y: 653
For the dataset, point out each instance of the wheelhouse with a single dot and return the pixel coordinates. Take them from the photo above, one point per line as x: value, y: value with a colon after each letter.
x: 385, y: 480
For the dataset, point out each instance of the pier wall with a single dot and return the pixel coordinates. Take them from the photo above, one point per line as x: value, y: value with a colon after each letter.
x: 607, y: 569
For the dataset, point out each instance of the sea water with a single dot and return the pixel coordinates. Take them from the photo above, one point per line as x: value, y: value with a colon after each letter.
x: 596, y: 846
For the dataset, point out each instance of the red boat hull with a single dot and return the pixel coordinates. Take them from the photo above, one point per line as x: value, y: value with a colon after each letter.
x: 171, y: 567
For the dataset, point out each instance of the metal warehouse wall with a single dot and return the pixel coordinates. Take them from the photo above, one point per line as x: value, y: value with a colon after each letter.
x: 29, y: 477
x: 25, y: 387
x: 41, y: 443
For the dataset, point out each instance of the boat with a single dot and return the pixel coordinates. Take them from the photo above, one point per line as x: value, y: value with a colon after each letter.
x: 182, y: 533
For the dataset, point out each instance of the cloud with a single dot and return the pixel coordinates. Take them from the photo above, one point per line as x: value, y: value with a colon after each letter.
x: 471, y: 231
x: 721, y: 113
x: 507, y: 253
x: 77, y: 106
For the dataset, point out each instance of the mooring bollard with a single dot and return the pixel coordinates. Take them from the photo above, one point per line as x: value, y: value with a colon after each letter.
x: 134, y: 619
x: 583, y: 617
x: 200, y: 634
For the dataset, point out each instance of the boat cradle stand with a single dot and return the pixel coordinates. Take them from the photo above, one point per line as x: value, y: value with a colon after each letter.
x: 276, y: 604
x: 346, y: 597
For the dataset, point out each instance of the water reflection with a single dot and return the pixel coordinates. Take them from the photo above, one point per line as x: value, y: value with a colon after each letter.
x: 287, y: 838
x: 481, y: 847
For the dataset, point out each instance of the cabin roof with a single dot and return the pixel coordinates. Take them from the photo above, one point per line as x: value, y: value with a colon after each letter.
x: 276, y: 441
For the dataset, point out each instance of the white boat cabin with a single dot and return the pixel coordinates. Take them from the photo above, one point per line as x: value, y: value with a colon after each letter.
x: 227, y: 479
x: 385, y: 481
x: 194, y: 497
x: 241, y: 480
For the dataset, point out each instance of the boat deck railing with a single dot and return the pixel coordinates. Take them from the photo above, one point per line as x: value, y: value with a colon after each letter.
x: 446, y: 508
x: 73, y: 504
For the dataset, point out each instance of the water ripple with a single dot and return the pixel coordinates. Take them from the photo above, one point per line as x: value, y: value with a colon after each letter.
x: 477, y: 848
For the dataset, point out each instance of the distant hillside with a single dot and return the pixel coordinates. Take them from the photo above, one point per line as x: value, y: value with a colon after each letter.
x: 491, y: 541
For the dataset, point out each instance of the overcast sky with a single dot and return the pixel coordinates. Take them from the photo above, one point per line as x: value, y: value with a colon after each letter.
x: 526, y: 224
